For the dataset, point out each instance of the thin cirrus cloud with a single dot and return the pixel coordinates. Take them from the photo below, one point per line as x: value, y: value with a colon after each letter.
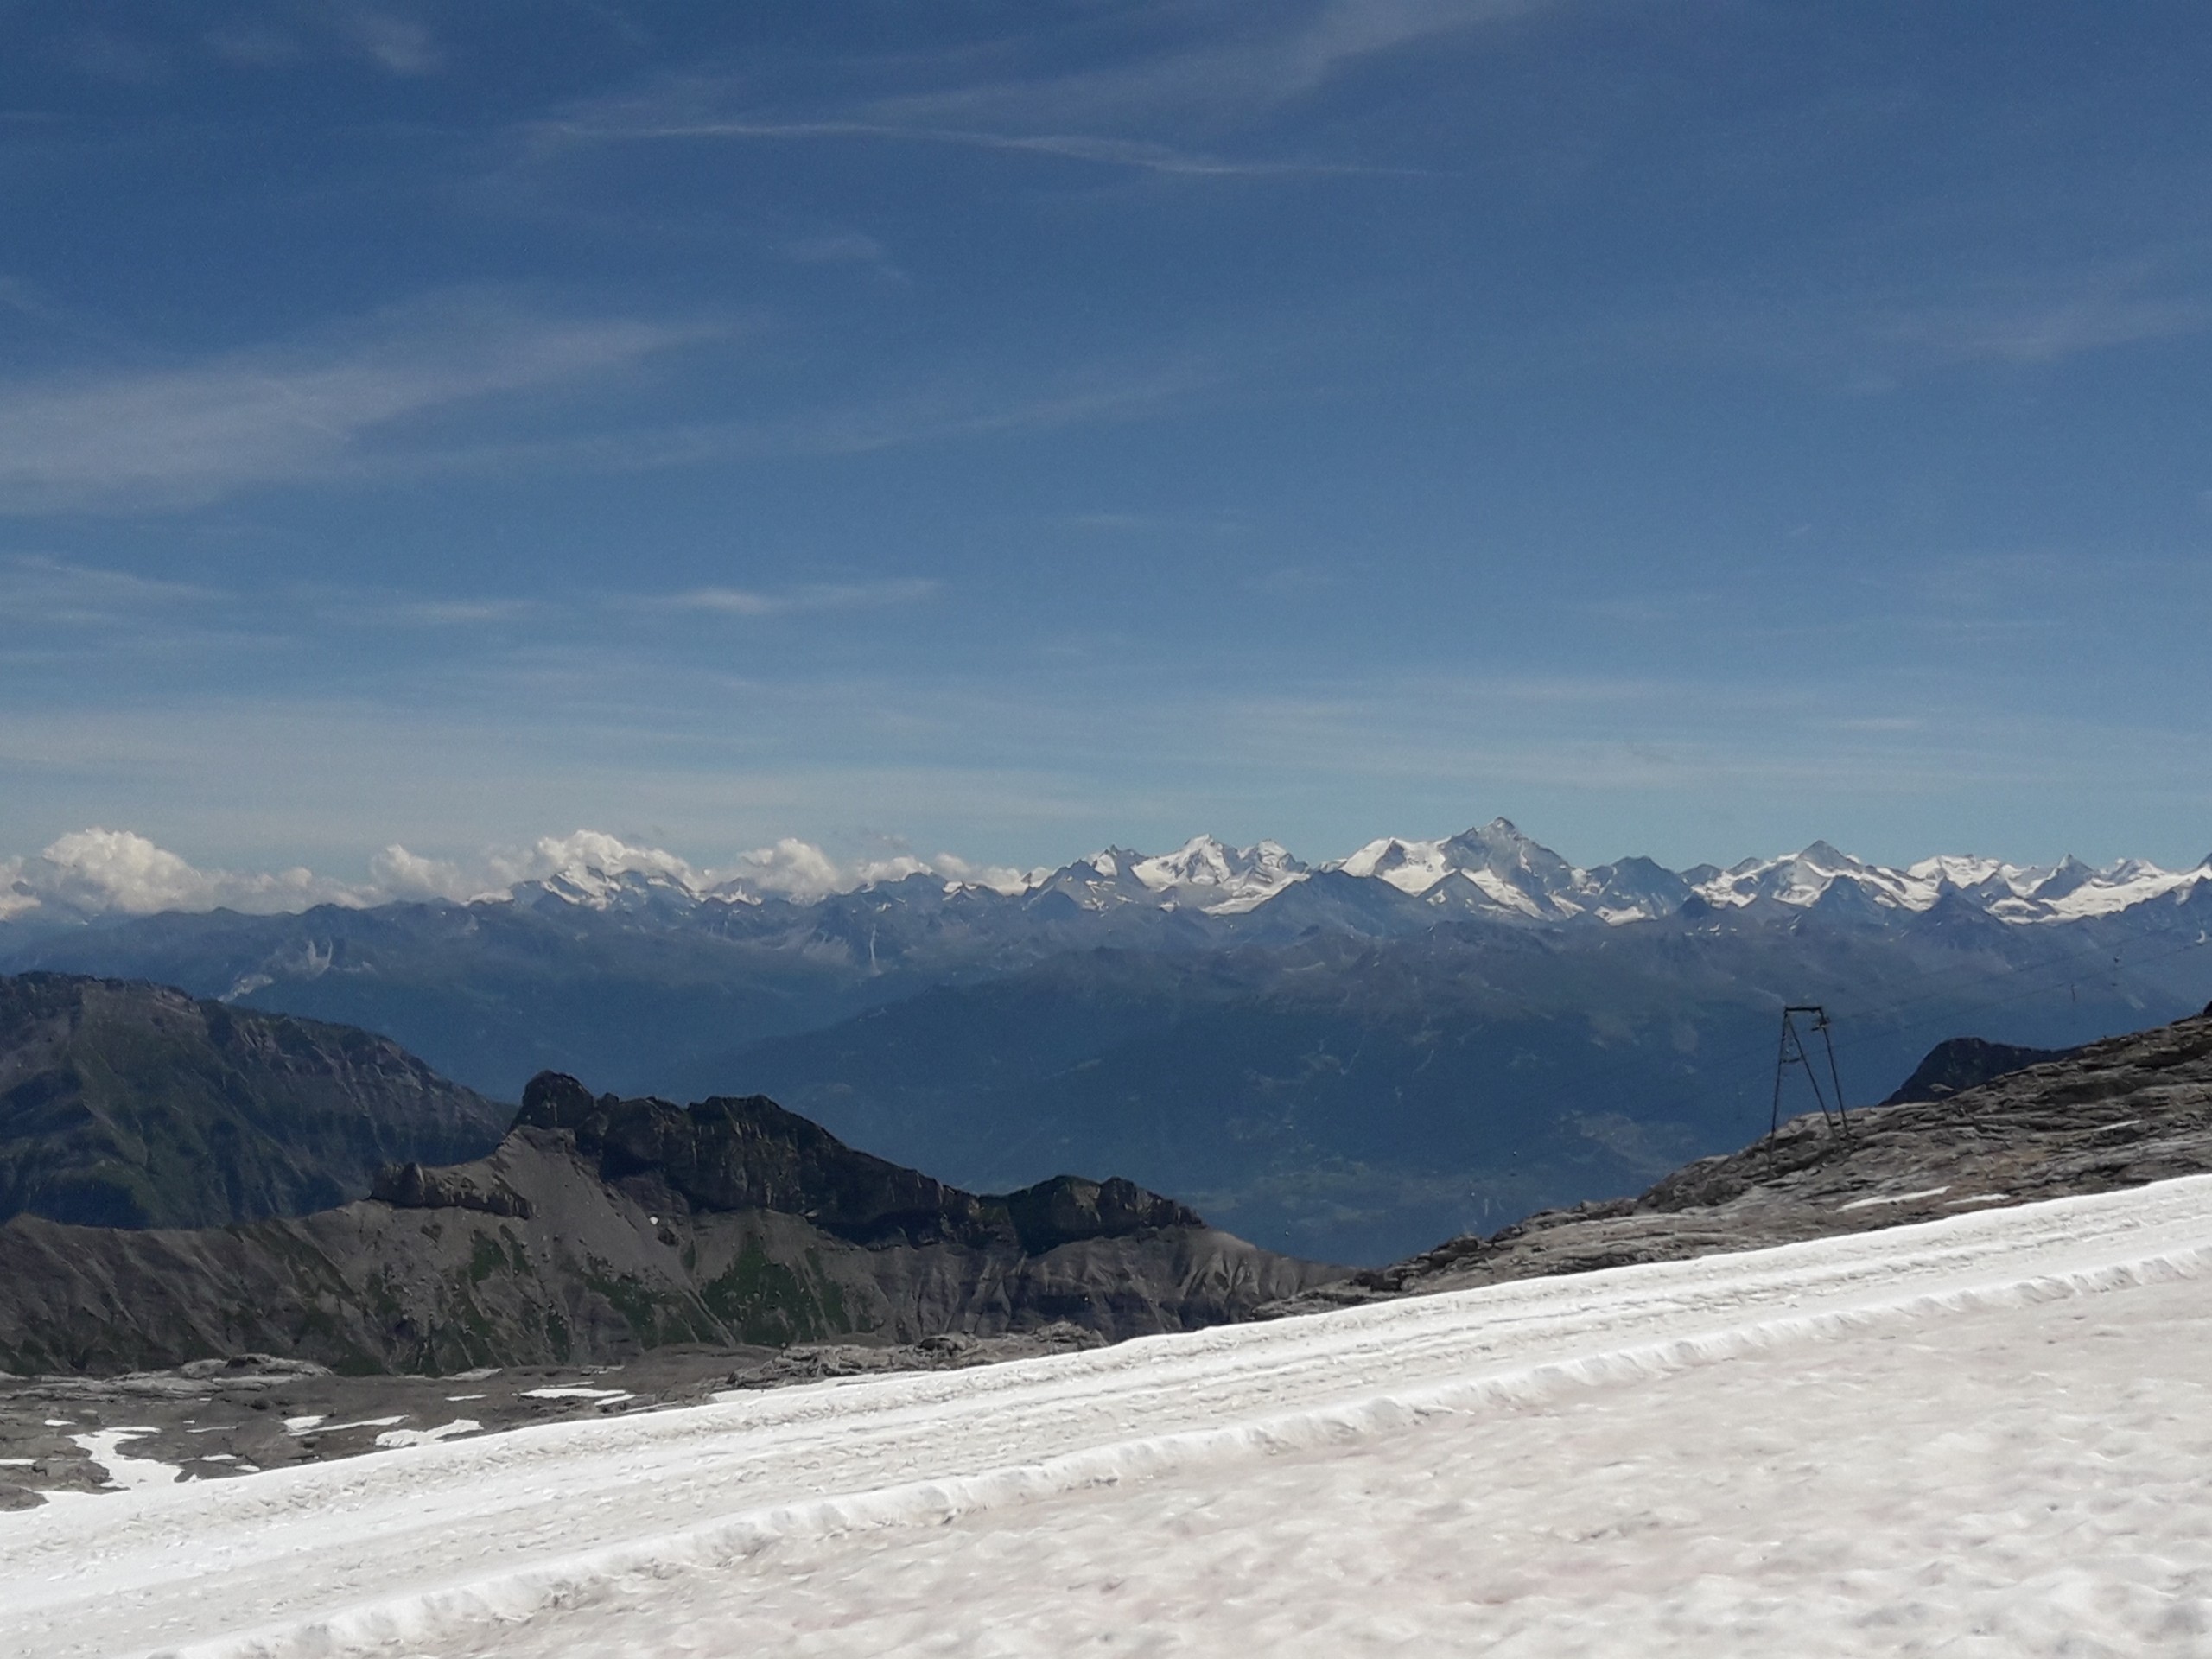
x: 838, y: 248
x: 787, y: 601
x: 1145, y: 155
x: 1291, y: 51
x: 399, y: 45
x: 1876, y: 341
x: 957, y: 408
x: 2039, y: 329
x: 48, y: 593
x: 1119, y: 115
x: 180, y: 437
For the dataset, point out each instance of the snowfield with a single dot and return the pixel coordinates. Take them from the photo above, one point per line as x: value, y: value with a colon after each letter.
x: 1986, y: 1435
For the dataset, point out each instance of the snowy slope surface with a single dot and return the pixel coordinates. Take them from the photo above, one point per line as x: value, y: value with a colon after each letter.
x: 1987, y: 1435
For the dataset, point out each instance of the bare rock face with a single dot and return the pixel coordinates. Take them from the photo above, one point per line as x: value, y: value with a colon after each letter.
x: 602, y: 1228
x: 2116, y: 1113
x: 410, y: 1186
x: 730, y: 1155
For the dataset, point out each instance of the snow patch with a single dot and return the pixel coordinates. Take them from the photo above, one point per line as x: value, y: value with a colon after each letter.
x: 1894, y: 1198
x: 124, y: 1472
x: 575, y: 1392
x: 392, y: 1438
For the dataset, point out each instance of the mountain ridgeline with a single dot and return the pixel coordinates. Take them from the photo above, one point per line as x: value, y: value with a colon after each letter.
x: 600, y: 1228
x: 1345, y: 1062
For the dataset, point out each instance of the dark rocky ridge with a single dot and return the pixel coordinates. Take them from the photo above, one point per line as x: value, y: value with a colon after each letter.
x: 2115, y: 1114
x: 1968, y: 1063
x: 730, y: 1155
x: 601, y: 1228
x: 126, y: 1105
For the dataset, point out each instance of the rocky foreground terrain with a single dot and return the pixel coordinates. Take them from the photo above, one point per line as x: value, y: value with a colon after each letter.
x: 2120, y: 1113
x: 65, y: 1436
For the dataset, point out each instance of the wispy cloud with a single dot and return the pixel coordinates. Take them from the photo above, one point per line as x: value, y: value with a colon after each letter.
x: 184, y: 437
x: 785, y: 601
x: 838, y: 248
x: 392, y: 40
x: 400, y: 45
x: 1875, y: 341
x: 456, y: 613
x: 965, y: 405
x: 43, y: 593
x: 1216, y: 74
x: 1274, y: 56
x: 2047, y: 327
x: 1145, y: 154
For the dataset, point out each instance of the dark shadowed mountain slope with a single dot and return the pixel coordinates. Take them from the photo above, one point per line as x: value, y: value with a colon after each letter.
x: 126, y: 1105
x: 1964, y: 1062
x: 2116, y: 1113
x: 602, y: 1227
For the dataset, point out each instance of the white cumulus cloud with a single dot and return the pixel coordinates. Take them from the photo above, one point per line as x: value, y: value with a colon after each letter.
x: 795, y: 868
x: 998, y: 878
x: 595, y: 850
x: 401, y: 874
x: 98, y: 872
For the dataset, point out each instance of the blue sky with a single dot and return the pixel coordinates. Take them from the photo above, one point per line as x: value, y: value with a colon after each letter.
x: 1685, y: 428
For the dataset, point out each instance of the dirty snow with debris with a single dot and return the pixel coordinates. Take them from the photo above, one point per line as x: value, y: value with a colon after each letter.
x: 1987, y: 1434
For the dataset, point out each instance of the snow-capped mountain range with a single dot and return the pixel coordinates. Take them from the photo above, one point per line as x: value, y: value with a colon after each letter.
x: 1508, y: 871
x: 1492, y: 871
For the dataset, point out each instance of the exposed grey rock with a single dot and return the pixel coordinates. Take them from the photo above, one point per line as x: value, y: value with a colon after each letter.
x: 410, y: 1186
x: 952, y: 1351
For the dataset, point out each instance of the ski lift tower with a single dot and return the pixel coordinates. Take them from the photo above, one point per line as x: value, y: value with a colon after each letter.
x: 1793, y: 1051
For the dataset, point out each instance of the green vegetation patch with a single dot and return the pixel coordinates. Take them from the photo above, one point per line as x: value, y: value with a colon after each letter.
x: 764, y: 1301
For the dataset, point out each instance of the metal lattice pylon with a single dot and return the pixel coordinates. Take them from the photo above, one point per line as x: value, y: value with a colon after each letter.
x: 1793, y: 1051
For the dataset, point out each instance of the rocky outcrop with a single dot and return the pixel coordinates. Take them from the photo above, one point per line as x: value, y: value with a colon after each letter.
x: 1067, y: 1208
x: 2116, y: 1113
x: 125, y: 1104
x: 410, y: 1186
x: 1964, y: 1062
x: 730, y: 1154
x: 602, y: 1228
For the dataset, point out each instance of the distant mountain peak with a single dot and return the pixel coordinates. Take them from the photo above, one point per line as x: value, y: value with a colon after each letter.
x: 1218, y: 877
